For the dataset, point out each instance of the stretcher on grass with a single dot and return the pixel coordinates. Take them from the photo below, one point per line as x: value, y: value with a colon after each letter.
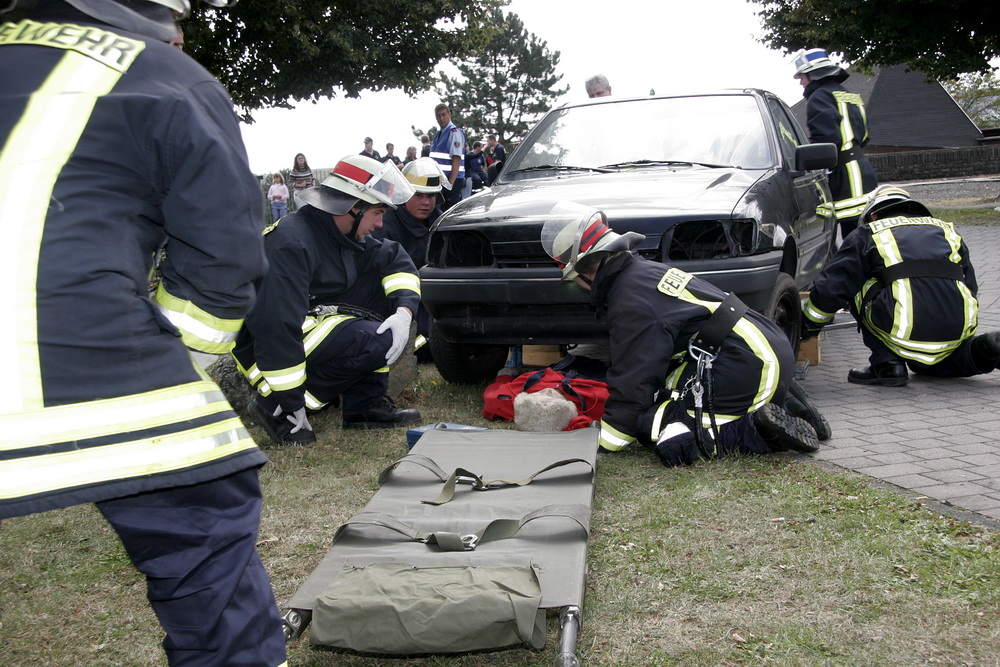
x: 470, y: 538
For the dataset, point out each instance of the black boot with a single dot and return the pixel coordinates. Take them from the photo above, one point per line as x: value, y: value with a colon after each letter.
x: 797, y: 404
x: 887, y: 374
x: 278, y: 428
x: 783, y: 431
x: 384, y: 414
x: 986, y: 351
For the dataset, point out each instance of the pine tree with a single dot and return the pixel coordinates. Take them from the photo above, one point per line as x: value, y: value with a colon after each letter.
x: 506, y: 86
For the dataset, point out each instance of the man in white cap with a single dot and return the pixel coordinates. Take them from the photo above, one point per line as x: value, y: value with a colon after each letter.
x: 693, y: 371
x: 836, y: 116
x: 333, y: 311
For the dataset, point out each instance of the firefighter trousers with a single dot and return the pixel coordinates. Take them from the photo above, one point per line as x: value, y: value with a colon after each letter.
x: 196, y: 545
x: 958, y: 364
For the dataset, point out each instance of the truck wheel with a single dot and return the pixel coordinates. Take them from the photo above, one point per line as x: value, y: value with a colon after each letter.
x: 785, y: 309
x: 463, y: 363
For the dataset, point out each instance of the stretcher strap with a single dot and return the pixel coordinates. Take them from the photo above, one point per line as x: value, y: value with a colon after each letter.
x: 464, y: 476
x: 497, y: 529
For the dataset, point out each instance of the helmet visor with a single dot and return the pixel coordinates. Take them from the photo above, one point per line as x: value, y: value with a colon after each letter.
x: 389, y: 185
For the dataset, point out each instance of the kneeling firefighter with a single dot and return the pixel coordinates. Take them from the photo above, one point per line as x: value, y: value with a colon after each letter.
x: 333, y: 311
x: 908, y: 280
x: 693, y: 370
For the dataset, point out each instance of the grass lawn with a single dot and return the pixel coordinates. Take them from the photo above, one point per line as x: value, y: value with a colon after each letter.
x: 772, y: 560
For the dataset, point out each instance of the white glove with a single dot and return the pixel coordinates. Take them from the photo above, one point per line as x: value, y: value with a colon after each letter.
x: 204, y: 359
x: 298, y: 419
x: 399, y: 326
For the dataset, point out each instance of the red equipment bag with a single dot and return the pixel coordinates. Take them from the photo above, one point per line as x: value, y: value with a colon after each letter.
x: 587, y: 395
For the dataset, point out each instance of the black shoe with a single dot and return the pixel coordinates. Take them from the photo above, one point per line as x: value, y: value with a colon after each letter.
x: 383, y: 414
x: 887, y: 374
x: 797, y: 404
x: 986, y: 351
x: 783, y: 431
x: 279, y: 428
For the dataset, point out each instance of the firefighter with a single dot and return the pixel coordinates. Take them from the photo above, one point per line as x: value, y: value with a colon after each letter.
x: 836, y: 116
x: 113, y: 144
x: 692, y: 369
x: 334, y: 310
x: 409, y: 225
x: 908, y: 281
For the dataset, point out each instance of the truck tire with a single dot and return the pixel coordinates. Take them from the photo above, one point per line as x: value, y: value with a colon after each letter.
x: 785, y: 309
x: 464, y: 363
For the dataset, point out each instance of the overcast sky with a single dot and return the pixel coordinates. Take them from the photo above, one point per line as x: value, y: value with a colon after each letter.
x: 638, y: 44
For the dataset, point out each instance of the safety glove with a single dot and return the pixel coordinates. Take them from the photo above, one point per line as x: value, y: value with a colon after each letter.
x: 399, y: 326
x: 298, y: 419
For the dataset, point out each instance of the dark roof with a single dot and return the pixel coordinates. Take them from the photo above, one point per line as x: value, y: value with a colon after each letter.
x: 906, y: 111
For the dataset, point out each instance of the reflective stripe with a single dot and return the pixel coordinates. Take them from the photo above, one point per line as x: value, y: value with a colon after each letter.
x: 93, y: 465
x: 320, y: 328
x: 398, y: 281
x: 444, y: 161
x: 419, y: 342
x: 94, y: 419
x: 284, y: 379
x: 108, y: 48
x: 37, y: 149
x: 199, y: 330
x: 759, y: 345
x: 312, y: 402
x: 612, y: 439
x: 816, y: 315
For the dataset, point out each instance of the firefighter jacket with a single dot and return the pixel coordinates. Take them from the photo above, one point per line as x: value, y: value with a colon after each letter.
x: 112, y: 145
x: 412, y: 234
x: 312, y: 263
x: 836, y: 116
x: 920, y: 318
x: 653, y: 311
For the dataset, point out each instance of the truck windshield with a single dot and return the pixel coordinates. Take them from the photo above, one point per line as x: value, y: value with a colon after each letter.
x: 707, y: 131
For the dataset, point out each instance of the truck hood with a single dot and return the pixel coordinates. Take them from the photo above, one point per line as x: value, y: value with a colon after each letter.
x: 629, y: 198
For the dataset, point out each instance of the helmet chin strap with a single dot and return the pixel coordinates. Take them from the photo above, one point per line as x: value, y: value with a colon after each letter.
x: 357, y: 219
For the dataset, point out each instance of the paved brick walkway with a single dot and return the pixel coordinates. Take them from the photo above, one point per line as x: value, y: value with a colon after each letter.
x: 939, y: 438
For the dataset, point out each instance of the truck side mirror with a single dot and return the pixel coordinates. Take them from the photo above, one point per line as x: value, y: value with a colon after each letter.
x: 815, y: 156
x: 493, y: 171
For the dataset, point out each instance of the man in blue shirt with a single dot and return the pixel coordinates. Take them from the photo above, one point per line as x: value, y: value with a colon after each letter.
x: 448, y: 150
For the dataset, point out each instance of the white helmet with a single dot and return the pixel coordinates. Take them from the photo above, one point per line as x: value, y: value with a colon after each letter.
x: 577, y: 236
x: 152, y: 18
x: 817, y: 63
x: 358, y: 178
x: 426, y: 175
x: 886, y: 198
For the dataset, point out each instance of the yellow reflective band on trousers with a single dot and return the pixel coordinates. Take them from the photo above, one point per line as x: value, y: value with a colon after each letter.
x: 38, y: 147
x: 612, y: 439
x: 173, y: 409
x: 199, y: 330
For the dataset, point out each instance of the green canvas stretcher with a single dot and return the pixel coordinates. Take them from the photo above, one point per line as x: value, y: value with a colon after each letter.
x: 507, y: 506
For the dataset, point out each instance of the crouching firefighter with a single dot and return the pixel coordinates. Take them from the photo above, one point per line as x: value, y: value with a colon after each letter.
x: 909, y: 282
x: 333, y: 311
x: 693, y: 371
